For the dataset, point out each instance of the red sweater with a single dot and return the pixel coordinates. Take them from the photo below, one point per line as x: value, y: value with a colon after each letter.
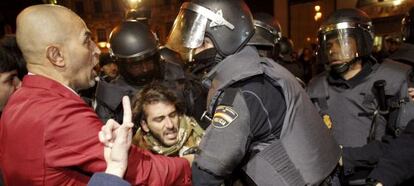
x: 49, y: 136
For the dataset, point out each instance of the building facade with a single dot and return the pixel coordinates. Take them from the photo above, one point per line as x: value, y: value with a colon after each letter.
x: 297, y: 17
x: 102, y: 16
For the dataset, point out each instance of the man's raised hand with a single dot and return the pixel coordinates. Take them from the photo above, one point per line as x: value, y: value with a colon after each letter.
x: 117, y: 140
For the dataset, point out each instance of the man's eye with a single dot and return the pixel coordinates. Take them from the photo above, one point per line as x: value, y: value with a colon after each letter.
x: 9, y: 82
x: 173, y: 114
x: 159, y: 119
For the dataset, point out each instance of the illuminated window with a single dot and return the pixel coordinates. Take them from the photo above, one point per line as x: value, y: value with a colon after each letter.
x: 101, y: 34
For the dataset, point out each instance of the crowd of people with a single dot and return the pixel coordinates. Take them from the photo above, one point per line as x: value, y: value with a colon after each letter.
x: 241, y: 112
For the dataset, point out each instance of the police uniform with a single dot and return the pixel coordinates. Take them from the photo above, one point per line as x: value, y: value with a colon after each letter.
x: 396, y: 166
x: 351, y: 104
x: 263, y: 125
x: 392, y: 160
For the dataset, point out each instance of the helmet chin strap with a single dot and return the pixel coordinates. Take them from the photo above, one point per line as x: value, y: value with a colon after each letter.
x: 344, y: 67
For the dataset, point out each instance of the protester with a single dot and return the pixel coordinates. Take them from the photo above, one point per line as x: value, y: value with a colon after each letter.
x: 11, y: 61
x: 164, y: 128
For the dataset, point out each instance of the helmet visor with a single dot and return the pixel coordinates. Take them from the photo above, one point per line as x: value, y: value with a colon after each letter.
x: 190, y: 26
x: 338, y: 46
x: 187, y: 32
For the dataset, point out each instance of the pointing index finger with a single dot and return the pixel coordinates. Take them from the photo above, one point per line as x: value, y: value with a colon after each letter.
x: 126, y: 104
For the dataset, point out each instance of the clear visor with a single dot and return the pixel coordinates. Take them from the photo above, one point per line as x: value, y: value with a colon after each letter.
x: 187, y: 32
x: 338, y: 46
x: 190, y: 25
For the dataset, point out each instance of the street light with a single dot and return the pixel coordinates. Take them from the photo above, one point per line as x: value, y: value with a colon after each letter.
x: 318, y: 14
x: 133, y: 10
x: 54, y: 2
x: 102, y: 44
x: 317, y: 8
x: 131, y: 4
x: 397, y: 2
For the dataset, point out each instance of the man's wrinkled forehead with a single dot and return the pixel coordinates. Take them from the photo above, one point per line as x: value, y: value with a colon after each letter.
x: 81, y: 26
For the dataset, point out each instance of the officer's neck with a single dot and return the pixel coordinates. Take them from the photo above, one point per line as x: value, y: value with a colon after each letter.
x: 354, y: 69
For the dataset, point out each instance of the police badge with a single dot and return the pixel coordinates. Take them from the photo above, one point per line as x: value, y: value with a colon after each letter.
x: 223, y: 116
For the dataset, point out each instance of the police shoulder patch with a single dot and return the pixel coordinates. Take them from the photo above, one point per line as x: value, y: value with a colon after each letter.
x: 327, y: 120
x: 223, y: 116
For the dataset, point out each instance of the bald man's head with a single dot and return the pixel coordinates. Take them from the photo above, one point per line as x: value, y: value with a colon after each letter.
x: 40, y: 26
x: 57, y: 44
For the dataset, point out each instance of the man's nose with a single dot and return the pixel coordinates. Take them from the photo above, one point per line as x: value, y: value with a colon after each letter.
x: 169, y: 124
x: 333, y: 49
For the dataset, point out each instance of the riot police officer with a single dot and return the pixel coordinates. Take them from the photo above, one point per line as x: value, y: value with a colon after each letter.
x: 267, y: 35
x: 262, y: 123
x: 359, y: 99
x: 392, y: 158
x: 345, y: 94
x: 135, y: 49
x: 270, y: 43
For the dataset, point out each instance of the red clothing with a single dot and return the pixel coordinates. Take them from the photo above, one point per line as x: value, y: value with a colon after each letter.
x: 49, y: 136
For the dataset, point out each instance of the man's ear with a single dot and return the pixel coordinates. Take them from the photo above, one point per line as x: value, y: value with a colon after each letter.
x: 144, y: 126
x: 55, y: 56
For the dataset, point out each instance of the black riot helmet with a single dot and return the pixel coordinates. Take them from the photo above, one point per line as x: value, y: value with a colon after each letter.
x: 345, y: 38
x: 135, y: 49
x: 228, y: 24
x: 267, y: 35
x: 408, y: 27
x: 285, y: 49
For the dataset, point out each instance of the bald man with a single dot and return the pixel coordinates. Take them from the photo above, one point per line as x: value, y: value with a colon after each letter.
x: 48, y: 135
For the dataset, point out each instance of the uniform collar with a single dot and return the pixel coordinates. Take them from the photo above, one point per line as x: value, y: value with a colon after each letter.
x: 338, y: 81
x: 236, y: 67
